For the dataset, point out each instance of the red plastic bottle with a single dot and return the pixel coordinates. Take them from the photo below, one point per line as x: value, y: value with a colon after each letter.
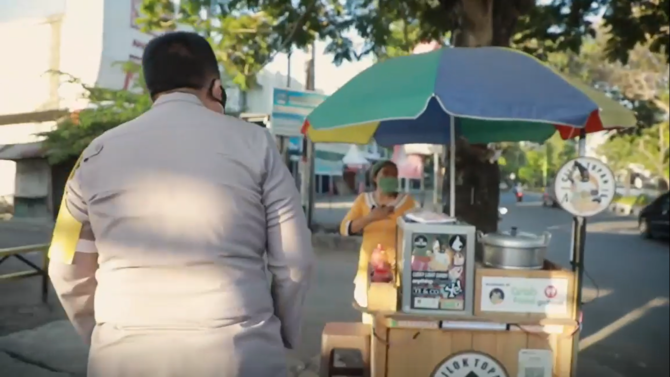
x: 381, y: 267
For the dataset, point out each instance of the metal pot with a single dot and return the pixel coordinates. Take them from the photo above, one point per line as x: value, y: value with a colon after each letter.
x: 514, y: 250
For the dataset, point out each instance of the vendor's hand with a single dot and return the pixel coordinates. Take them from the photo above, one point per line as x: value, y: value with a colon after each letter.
x: 380, y: 212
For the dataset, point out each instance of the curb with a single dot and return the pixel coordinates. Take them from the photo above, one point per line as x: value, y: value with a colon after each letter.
x: 625, y: 209
x: 324, y: 242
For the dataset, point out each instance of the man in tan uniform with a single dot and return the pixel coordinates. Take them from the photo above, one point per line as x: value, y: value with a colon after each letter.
x: 160, y: 247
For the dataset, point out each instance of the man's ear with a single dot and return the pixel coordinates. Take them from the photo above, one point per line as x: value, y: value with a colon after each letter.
x: 219, y: 91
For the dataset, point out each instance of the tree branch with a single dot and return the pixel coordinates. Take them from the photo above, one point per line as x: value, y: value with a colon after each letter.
x: 658, y: 167
x: 662, y: 105
x: 299, y: 24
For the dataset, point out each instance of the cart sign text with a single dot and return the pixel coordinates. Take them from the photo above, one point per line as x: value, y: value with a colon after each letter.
x: 524, y: 295
x: 470, y: 364
x: 438, y: 272
x: 584, y: 186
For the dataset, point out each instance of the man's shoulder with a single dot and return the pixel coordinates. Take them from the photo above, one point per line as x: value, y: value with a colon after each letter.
x: 119, y: 130
x: 219, y: 126
x: 241, y: 126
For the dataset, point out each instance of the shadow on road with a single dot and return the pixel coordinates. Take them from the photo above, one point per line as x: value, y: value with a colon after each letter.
x: 626, y: 328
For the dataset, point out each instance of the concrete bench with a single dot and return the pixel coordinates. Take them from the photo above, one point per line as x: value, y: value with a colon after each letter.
x: 345, y: 335
x: 19, y: 253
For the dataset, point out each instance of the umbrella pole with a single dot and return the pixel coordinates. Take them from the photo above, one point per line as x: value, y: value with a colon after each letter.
x: 452, y: 166
x: 437, y: 177
x: 577, y: 262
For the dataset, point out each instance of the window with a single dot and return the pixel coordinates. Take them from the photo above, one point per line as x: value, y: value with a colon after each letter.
x: 665, y: 202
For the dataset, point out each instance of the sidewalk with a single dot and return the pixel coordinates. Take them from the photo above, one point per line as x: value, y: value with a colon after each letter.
x: 55, y: 350
x: 21, y: 232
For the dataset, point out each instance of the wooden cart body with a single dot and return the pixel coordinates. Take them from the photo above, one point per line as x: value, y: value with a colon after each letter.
x: 412, y: 345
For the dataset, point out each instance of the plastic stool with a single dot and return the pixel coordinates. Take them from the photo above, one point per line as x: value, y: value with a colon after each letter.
x: 343, y: 335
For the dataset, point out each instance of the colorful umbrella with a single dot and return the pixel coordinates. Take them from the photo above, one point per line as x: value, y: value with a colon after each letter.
x: 494, y: 94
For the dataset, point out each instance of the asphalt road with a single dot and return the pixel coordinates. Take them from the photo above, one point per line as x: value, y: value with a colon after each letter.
x: 625, y: 320
x: 626, y: 328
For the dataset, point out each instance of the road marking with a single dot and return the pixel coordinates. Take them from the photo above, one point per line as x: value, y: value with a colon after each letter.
x: 591, y: 293
x: 621, y: 322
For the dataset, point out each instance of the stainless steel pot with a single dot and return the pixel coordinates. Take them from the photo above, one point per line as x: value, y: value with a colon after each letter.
x: 514, y: 250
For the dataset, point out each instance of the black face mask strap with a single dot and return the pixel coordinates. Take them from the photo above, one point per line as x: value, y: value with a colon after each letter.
x: 224, y: 97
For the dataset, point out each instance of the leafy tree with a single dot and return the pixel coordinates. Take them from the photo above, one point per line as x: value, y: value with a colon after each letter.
x: 556, y: 26
x: 531, y: 172
x: 259, y: 29
x: 641, y: 83
x: 107, y: 109
x: 247, y: 34
x: 512, y: 159
x: 649, y: 148
x: 558, y: 152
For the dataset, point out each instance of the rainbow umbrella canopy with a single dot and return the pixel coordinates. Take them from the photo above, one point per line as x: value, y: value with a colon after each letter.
x: 491, y: 94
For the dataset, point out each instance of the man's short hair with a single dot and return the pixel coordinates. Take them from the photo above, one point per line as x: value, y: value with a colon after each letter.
x: 178, y: 60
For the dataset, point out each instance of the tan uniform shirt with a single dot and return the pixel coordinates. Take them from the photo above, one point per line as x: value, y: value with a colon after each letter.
x: 179, y: 211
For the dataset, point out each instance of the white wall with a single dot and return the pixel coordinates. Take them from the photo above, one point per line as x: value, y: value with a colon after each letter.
x: 81, y: 48
x: 24, y: 84
x: 67, y: 38
x: 28, y: 47
x: 122, y: 41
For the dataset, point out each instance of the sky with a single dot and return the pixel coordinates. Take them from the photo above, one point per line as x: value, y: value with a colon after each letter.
x: 13, y: 9
x: 332, y: 75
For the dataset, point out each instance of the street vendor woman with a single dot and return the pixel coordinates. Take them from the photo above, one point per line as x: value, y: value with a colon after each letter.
x: 374, y: 215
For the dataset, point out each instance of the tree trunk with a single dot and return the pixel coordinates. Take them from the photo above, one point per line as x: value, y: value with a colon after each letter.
x: 627, y: 182
x: 482, y: 23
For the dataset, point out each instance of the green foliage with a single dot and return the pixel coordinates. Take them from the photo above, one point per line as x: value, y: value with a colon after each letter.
x: 558, y: 152
x: 648, y: 148
x: 531, y: 172
x: 107, y: 109
x: 536, y: 164
x: 633, y: 200
x: 512, y: 158
x: 256, y: 30
x: 643, y: 84
x: 247, y: 34
x: 634, y: 22
x: 403, y: 38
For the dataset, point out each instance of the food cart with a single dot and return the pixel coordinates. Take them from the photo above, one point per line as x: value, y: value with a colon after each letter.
x: 450, y: 312
x: 459, y: 316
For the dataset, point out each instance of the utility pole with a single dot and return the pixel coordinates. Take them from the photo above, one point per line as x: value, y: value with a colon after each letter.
x: 545, y: 166
x: 307, y: 186
x: 288, y: 69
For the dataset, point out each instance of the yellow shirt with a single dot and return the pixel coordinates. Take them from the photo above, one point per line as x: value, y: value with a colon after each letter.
x: 382, y: 232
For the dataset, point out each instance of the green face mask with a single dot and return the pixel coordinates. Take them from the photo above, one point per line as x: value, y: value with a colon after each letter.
x: 388, y: 185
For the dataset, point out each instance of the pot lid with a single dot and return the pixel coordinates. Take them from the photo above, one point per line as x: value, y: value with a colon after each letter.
x: 516, y: 239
